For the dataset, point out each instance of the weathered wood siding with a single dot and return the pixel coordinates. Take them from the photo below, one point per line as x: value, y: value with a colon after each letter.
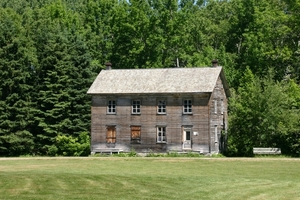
x: 218, y: 117
x: 148, y: 119
x: 204, y: 121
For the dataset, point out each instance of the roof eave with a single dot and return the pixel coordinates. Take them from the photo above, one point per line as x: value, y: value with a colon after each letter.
x: 152, y: 93
x: 225, y: 84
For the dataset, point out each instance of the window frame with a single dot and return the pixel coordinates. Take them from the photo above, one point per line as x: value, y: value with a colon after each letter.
x: 215, y: 106
x: 187, y: 105
x: 161, y: 130
x: 161, y: 107
x: 136, y: 107
x: 111, y: 110
x: 216, y: 133
x: 222, y: 106
x: 110, y: 134
x: 135, y: 128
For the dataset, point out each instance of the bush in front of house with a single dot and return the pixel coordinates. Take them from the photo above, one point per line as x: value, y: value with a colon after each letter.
x: 71, y: 146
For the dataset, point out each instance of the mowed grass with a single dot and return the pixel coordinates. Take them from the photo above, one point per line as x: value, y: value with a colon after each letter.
x: 149, y: 178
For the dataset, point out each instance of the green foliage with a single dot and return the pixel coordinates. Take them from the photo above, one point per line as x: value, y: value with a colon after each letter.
x: 152, y: 154
x: 16, y: 85
x: 51, y: 150
x: 174, y: 154
x: 51, y: 50
x: 71, y: 146
x: 219, y: 155
x: 132, y: 153
x: 262, y: 115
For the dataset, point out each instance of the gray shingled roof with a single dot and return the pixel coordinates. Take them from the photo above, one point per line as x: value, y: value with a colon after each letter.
x: 162, y: 80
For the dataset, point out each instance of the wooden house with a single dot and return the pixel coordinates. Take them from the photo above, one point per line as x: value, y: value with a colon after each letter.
x: 159, y: 110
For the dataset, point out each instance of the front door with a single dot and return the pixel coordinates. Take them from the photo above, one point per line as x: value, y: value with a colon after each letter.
x: 187, y: 138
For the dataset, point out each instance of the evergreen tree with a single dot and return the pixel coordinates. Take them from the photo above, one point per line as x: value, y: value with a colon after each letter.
x: 17, y: 84
x: 63, y: 77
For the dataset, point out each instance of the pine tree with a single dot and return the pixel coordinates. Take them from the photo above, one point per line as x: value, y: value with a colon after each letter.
x: 63, y: 77
x: 17, y: 84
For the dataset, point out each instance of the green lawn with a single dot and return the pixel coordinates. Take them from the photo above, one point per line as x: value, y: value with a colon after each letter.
x: 149, y: 178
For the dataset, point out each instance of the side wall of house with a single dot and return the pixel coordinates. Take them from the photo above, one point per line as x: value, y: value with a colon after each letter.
x: 218, y: 118
x: 174, y: 120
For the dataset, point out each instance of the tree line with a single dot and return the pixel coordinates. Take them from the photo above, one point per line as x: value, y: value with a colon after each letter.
x: 51, y: 51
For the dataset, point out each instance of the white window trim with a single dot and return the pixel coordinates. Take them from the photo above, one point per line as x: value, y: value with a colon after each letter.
x: 163, y: 132
x: 216, y: 133
x: 163, y: 105
x: 109, y: 103
x: 189, y: 107
x: 222, y: 106
x: 216, y: 106
x: 134, y: 106
x: 191, y: 132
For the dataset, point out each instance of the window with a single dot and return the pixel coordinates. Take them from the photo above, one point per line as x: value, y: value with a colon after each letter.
x: 161, y: 134
x: 111, y: 107
x: 222, y: 106
x: 111, y: 134
x: 187, y: 106
x: 216, y: 133
x: 136, y: 107
x: 215, y: 106
x: 135, y: 134
x: 161, y: 107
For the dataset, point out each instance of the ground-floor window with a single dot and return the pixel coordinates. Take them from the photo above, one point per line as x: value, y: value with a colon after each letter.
x: 111, y: 134
x: 216, y: 134
x: 161, y: 134
x: 135, y: 134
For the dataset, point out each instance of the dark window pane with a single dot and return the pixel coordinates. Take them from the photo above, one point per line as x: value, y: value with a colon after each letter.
x: 188, y: 135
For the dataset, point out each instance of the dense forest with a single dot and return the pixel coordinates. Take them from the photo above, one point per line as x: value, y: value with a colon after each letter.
x: 51, y: 51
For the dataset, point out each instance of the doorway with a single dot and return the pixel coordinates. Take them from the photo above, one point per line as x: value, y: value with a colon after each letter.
x: 187, y: 138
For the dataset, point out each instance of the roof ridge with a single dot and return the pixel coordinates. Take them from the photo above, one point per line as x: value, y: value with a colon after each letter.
x: 156, y: 80
x: 114, y: 69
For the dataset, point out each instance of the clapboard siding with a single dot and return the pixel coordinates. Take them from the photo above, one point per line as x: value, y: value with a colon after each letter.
x: 148, y: 119
x: 218, y: 115
x: 207, y: 90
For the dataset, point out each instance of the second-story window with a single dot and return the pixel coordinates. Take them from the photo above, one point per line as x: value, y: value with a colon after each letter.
x: 222, y: 106
x: 187, y: 106
x: 136, y: 107
x: 161, y: 107
x: 215, y: 106
x: 111, y: 107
